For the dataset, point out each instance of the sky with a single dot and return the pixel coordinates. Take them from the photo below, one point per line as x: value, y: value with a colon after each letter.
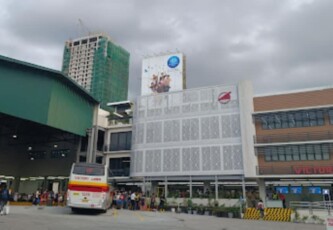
x: 279, y: 45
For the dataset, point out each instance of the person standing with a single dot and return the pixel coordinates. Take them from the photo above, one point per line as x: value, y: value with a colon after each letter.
x: 261, y: 208
x: 4, y: 198
x: 133, y: 201
x: 283, y: 199
x: 162, y: 201
x: 152, y: 201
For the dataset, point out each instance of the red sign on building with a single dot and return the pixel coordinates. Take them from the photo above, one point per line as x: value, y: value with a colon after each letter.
x: 313, y: 169
x: 224, y: 97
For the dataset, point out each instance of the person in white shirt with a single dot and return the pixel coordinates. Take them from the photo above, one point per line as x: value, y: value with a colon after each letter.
x: 133, y: 201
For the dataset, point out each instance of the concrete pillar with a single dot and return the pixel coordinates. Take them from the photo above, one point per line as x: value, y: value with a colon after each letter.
x: 216, y: 188
x: 143, y: 188
x: 92, y: 138
x: 262, y: 190
x: 191, y: 193
x: 166, y: 188
x: 244, y: 190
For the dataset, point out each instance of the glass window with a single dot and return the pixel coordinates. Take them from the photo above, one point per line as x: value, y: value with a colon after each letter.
x: 129, y: 140
x: 310, y: 152
x: 284, y: 120
x: 320, y: 117
x: 282, y: 156
x: 306, y: 119
x: 302, y: 153
x: 277, y: 122
x: 330, y: 114
x: 313, y: 118
x: 89, y: 170
x: 289, y: 156
x: 271, y: 123
x: 326, y: 151
x: 318, y: 153
x: 99, y: 160
x: 121, y: 141
x: 264, y: 123
x: 295, y: 151
x: 268, y: 154
x: 298, y: 118
x: 274, y: 154
x: 114, y: 142
x: 82, y: 159
x: 291, y: 120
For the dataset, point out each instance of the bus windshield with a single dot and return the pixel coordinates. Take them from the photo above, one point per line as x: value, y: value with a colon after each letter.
x: 88, y: 170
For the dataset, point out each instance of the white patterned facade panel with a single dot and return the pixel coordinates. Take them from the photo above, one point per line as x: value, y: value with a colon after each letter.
x: 192, y: 132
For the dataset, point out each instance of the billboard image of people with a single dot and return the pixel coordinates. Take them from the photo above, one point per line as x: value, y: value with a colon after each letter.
x: 161, y: 74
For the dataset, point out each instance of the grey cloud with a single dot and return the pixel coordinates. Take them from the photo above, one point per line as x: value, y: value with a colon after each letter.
x: 276, y: 44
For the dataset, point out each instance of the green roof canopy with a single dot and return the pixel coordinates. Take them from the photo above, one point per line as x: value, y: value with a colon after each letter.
x: 44, y: 96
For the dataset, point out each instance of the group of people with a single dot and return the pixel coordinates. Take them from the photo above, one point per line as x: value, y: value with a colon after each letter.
x: 4, y: 198
x: 48, y: 198
x: 135, y: 201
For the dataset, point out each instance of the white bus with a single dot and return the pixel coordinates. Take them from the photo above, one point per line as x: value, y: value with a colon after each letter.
x: 88, y: 187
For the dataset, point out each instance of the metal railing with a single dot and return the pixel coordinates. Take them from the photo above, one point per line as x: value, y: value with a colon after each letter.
x: 294, y: 137
x: 311, y: 206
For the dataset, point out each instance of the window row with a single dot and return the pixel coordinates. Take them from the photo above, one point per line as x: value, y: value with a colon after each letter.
x: 120, y: 141
x: 293, y: 119
x: 297, y: 152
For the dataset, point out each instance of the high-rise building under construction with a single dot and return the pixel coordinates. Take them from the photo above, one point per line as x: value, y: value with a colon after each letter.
x: 99, y: 66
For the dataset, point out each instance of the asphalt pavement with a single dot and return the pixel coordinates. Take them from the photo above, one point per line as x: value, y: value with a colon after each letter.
x: 61, y: 218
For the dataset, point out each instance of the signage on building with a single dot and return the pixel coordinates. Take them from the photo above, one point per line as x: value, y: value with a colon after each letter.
x: 161, y: 74
x: 224, y: 97
x: 313, y: 169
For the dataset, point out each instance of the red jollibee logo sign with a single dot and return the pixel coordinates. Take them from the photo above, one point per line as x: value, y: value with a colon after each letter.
x: 224, y: 97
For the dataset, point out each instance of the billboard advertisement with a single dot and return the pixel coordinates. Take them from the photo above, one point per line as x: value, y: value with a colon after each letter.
x: 161, y: 74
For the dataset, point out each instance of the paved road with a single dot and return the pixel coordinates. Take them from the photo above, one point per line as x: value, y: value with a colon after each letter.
x: 58, y: 218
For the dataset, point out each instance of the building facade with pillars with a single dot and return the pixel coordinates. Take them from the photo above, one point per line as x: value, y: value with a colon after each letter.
x: 294, y: 144
x: 197, y: 135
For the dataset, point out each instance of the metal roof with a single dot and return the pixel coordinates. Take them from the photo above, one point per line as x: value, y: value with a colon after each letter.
x: 65, y: 79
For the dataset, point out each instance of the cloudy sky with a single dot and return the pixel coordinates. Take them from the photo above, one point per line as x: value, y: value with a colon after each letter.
x: 277, y: 44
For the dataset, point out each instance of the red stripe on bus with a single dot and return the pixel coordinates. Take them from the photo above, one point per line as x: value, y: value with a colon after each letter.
x: 87, y: 188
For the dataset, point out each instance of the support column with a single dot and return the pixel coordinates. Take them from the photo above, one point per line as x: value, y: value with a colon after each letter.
x: 244, y: 191
x: 262, y: 190
x: 216, y: 188
x: 191, y: 187
x: 92, y: 138
x: 166, y: 187
x: 144, y: 186
x: 16, y: 184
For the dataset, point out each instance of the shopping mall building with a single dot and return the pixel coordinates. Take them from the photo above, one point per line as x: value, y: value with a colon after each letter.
x: 218, y: 141
x: 224, y: 141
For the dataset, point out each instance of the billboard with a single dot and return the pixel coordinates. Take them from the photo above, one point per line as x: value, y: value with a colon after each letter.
x: 282, y: 189
x: 296, y: 189
x: 161, y: 74
x: 314, y: 190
